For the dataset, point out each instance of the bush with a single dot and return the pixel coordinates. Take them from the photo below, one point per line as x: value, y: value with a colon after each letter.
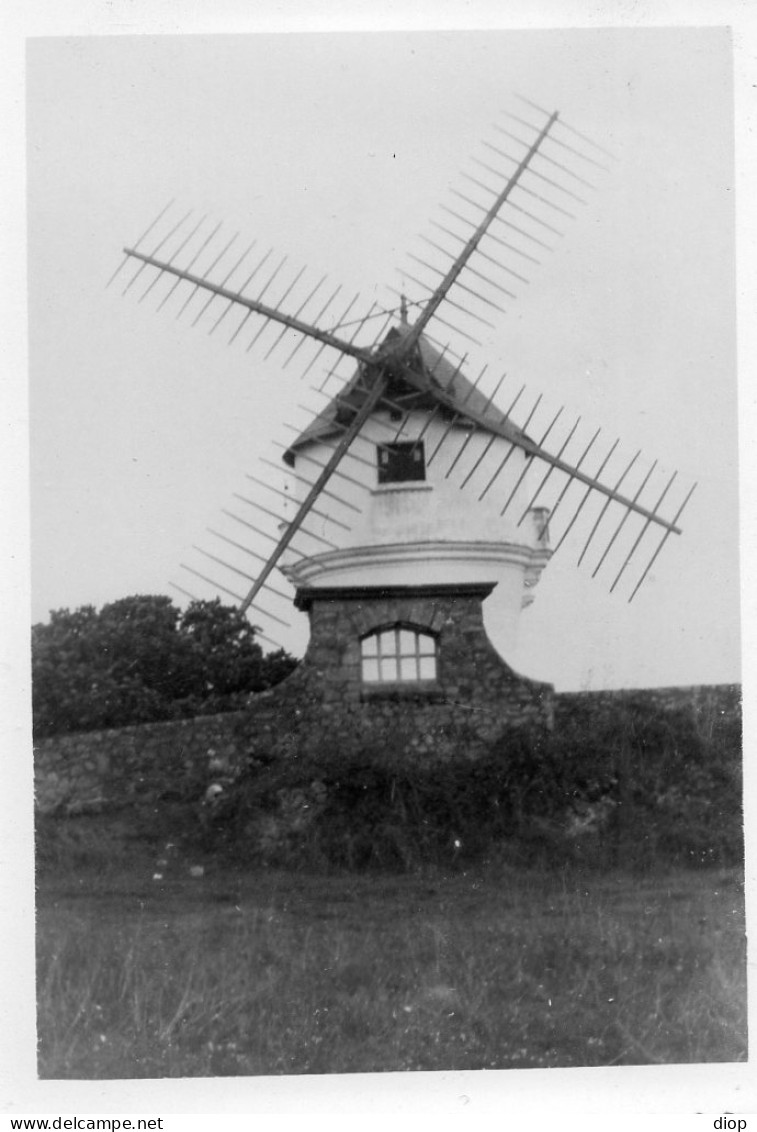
x: 623, y: 783
x: 363, y: 807
x: 672, y: 778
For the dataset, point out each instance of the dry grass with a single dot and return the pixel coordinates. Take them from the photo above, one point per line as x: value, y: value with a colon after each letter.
x: 244, y: 973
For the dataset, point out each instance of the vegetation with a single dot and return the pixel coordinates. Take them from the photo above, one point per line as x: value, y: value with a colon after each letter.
x: 526, y: 910
x: 628, y: 784
x: 152, y: 972
x: 141, y: 659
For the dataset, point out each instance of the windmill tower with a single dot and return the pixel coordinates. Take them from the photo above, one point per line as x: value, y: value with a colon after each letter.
x: 411, y: 494
x: 416, y: 528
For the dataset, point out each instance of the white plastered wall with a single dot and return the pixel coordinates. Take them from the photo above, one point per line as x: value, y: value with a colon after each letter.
x: 437, y: 531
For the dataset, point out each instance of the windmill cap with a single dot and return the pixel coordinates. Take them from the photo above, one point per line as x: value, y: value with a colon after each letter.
x: 444, y: 386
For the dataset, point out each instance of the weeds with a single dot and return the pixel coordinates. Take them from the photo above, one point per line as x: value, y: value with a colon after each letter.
x: 630, y: 784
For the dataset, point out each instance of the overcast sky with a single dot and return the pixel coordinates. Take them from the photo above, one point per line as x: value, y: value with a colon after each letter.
x: 336, y: 150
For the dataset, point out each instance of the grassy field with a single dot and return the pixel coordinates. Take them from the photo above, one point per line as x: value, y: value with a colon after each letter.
x: 147, y: 971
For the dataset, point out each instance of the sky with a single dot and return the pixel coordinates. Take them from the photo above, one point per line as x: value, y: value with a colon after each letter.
x: 336, y: 149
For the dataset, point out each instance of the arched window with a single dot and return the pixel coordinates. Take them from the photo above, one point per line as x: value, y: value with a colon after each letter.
x: 398, y: 654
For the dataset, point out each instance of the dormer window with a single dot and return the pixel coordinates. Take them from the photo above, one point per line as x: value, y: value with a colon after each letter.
x: 401, y: 463
x: 398, y: 654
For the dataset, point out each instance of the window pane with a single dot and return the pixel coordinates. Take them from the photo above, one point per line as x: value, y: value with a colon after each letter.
x: 388, y: 642
x: 407, y: 642
x: 398, y: 654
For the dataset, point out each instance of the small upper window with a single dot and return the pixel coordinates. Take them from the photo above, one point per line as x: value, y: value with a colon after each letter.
x: 401, y: 463
x: 398, y: 654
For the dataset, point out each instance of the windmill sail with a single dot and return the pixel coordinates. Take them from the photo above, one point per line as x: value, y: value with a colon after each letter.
x: 530, y: 184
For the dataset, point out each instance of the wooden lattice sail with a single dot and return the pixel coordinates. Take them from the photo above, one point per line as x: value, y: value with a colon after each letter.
x: 396, y: 368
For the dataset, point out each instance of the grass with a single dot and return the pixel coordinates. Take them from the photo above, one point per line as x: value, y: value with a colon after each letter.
x: 246, y: 972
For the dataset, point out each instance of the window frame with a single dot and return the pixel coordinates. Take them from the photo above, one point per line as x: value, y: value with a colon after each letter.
x: 409, y: 455
x: 399, y: 656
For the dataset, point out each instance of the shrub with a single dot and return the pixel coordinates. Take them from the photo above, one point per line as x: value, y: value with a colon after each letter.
x: 364, y: 807
x: 673, y: 778
x: 619, y: 782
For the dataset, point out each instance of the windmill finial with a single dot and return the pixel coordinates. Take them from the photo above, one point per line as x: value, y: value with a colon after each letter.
x: 403, y: 310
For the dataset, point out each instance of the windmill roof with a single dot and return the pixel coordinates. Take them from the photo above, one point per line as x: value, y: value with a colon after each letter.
x: 445, y: 386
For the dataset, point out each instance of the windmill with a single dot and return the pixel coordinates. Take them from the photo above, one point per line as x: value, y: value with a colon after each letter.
x: 406, y: 411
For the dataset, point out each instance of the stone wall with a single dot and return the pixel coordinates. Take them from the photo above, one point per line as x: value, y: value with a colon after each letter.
x: 473, y: 698
x: 324, y: 705
x: 97, y: 770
